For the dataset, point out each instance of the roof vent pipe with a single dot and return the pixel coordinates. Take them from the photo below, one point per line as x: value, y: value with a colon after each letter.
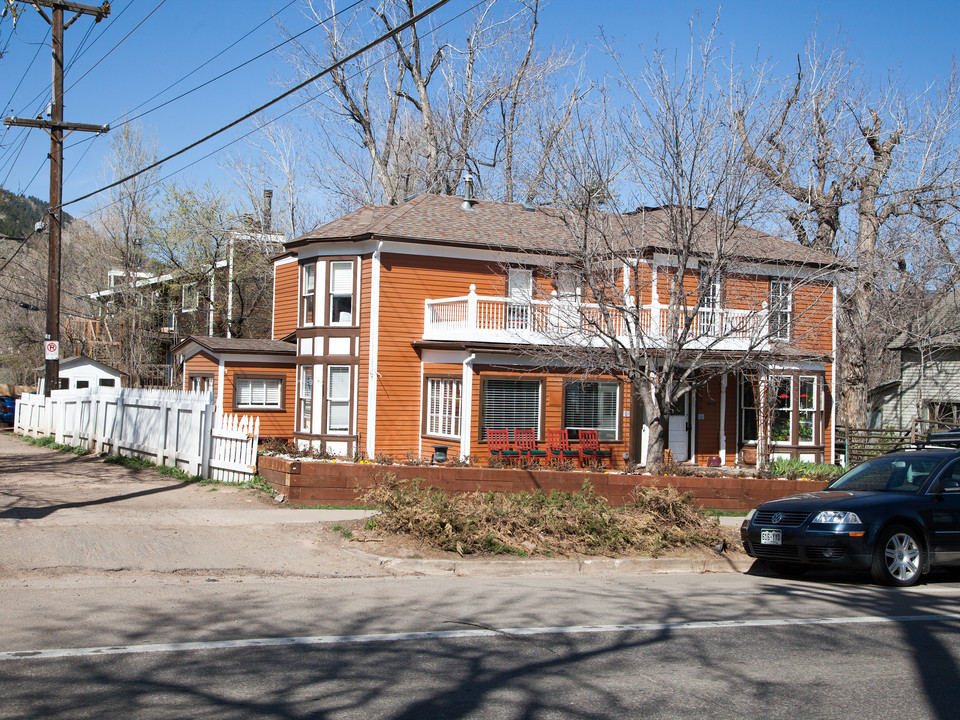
x: 468, y: 199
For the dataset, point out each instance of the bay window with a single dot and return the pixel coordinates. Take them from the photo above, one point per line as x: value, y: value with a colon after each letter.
x: 341, y: 293
x: 308, y: 288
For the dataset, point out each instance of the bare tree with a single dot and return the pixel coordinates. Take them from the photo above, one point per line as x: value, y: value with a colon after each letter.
x: 852, y: 164
x: 425, y: 111
x: 669, y: 300
x: 123, y: 223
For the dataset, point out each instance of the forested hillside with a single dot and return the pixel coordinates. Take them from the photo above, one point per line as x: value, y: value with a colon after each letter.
x: 19, y: 215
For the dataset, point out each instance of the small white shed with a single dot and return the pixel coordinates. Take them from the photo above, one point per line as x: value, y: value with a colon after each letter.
x: 81, y: 372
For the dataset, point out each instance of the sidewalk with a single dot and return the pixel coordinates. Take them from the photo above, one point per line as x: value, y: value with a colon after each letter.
x: 61, y: 513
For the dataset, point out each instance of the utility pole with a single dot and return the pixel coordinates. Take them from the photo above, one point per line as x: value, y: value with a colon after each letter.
x: 55, y: 127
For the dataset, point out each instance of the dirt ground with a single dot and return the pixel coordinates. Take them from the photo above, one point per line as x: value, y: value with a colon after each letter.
x: 63, y: 513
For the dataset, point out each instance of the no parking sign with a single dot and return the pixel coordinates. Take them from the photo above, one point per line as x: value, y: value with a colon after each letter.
x: 51, y: 350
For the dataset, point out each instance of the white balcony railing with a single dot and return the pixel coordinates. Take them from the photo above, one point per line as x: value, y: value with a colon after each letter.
x: 559, y: 320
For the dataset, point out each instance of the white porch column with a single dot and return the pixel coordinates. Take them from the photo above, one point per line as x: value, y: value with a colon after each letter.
x: 372, y: 374
x: 723, y: 419
x: 466, y: 405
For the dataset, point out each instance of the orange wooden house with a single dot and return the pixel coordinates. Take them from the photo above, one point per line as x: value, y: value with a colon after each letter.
x: 423, y: 325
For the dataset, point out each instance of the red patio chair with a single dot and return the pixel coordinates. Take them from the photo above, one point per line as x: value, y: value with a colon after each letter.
x: 498, y: 445
x: 558, y: 445
x: 525, y: 441
x: 590, y: 448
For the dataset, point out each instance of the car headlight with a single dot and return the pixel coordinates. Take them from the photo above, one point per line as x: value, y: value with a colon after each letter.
x: 749, y: 517
x: 836, y: 517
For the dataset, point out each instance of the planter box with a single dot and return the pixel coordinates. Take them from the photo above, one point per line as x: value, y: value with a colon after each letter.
x: 343, y: 483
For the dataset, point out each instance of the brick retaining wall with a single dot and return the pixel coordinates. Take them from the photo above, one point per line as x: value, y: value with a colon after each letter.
x: 342, y: 483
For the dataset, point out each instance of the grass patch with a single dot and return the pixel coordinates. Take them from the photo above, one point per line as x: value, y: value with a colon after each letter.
x: 50, y: 443
x: 256, y: 482
x: 344, y: 531
x: 539, y: 523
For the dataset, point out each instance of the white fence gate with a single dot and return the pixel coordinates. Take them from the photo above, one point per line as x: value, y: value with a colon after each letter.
x: 169, y: 427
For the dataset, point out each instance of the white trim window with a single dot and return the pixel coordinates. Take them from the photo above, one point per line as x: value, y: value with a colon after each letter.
x: 338, y: 399
x: 807, y: 410
x: 443, y: 407
x: 781, y: 425
x: 259, y: 392
x: 305, y: 392
x: 780, y: 303
x: 190, y: 297
x: 592, y: 405
x: 341, y: 292
x: 308, y: 288
x: 510, y: 404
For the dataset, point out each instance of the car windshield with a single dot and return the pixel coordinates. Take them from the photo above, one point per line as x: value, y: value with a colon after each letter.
x: 890, y: 473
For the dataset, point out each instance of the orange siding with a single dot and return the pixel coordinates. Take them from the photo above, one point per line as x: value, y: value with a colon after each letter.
x: 746, y: 292
x: 813, y: 317
x: 406, y: 281
x: 273, y: 423
x: 285, y: 298
x: 200, y: 365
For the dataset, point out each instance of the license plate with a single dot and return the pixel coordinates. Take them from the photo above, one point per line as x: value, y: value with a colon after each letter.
x: 770, y: 537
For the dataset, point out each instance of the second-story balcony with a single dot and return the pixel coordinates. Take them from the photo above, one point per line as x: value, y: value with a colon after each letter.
x: 476, y: 318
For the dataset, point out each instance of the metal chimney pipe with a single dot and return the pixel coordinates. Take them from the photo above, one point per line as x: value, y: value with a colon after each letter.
x: 267, y: 210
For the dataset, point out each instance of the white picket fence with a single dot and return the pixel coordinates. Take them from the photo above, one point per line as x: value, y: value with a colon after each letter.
x: 169, y: 427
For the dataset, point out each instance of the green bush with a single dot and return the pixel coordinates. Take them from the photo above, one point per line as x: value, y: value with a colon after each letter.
x: 796, y: 469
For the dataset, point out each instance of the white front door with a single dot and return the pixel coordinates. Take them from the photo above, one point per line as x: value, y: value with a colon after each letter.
x: 678, y: 430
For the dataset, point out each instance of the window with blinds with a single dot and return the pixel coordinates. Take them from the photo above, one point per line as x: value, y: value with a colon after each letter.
x: 591, y: 405
x: 259, y: 392
x: 510, y: 404
x: 443, y: 407
x: 341, y: 293
x: 338, y: 398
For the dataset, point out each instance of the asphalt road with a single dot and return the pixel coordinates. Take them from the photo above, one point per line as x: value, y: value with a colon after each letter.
x: 743, y: 646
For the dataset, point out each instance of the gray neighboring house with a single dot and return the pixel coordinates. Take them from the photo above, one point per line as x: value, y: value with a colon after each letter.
x: 924, y: 390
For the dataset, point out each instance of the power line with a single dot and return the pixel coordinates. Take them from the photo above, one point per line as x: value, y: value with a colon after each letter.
x: 256, y: 129
x: 296, y: 88
x: 119, y: 43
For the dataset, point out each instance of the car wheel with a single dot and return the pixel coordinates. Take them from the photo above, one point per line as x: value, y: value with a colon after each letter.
x: 897, y: 557
x: 787, y: 569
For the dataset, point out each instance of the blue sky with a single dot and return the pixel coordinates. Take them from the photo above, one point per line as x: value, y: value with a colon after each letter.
x: 176, y: 36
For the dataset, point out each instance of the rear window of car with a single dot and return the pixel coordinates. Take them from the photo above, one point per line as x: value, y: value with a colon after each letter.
x: 898, y: 473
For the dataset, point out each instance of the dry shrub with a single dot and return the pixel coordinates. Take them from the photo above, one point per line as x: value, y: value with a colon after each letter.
x: 539, y: 523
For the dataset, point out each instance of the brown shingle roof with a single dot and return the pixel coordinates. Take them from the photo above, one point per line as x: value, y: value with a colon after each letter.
x: 511, y: 226
x: 240, y: 345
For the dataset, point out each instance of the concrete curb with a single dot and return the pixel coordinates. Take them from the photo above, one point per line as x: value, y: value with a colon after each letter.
x: 599, y: 567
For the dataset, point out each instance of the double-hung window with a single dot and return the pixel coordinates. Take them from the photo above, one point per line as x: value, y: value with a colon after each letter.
x: 592, y: 405
x: 308, y: 289
x: 443, y: 407
x: 259, y: 393
x: 341, y: 293
x: 306, y: 398
x: 510, y: 404
x: 780, y: 309
x: 338, y: 399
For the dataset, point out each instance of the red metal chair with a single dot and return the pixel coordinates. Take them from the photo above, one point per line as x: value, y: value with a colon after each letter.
x: 525, y: 441
x: 558, y: 446
x: 498, y: 445
x: 590, y: 448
